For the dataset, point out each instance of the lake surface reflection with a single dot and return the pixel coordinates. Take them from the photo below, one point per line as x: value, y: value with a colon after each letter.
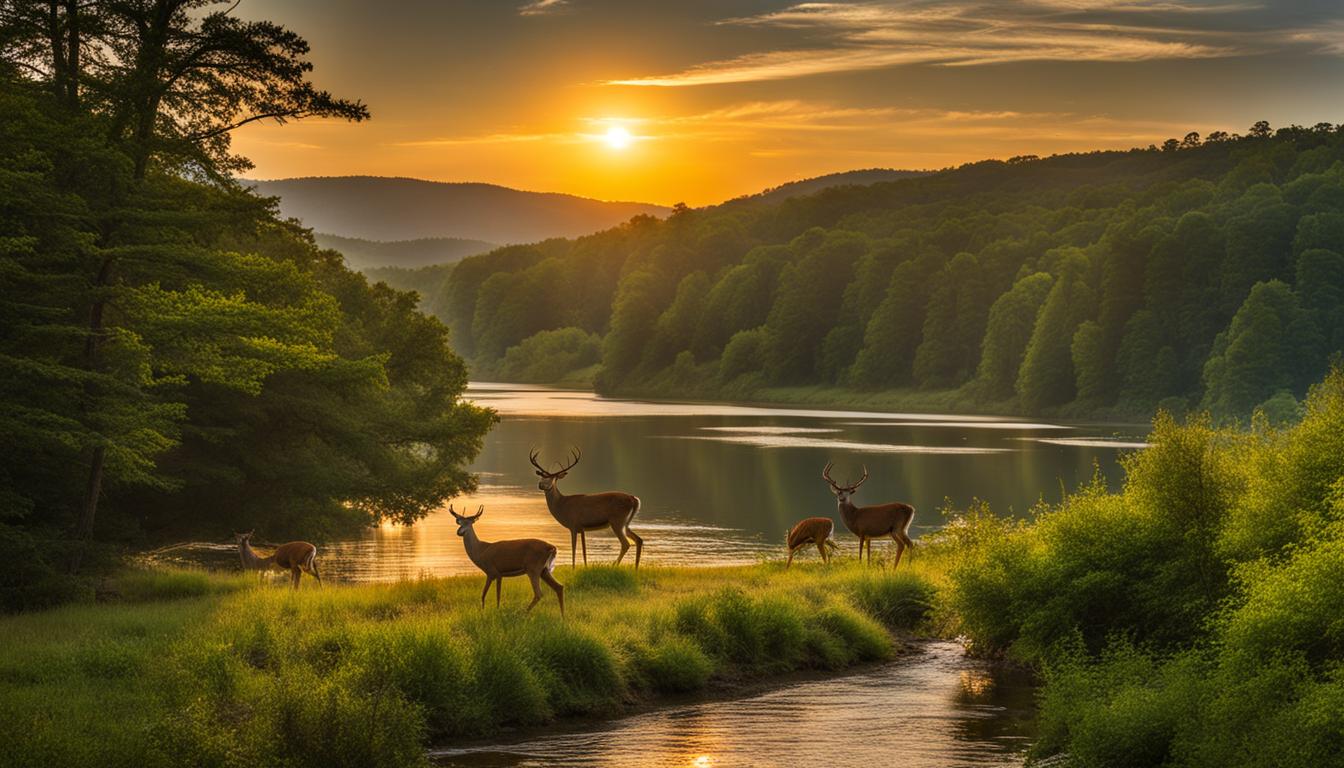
x: 721, y: 484
x: 935, y: 708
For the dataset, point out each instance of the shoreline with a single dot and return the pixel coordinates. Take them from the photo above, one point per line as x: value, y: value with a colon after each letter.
x: 910, y: 647
x: 211, y: 664
x: 910, y: 401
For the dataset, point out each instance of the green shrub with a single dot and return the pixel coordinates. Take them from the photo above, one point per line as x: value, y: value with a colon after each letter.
x: 675, y: 664
x: 425, y: 664
x: 752, y: 634
x: 578, y: 671
x: 899, y: 599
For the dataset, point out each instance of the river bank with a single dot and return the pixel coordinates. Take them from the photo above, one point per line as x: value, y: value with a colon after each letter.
x: 963, y: 400
x: 187, y: 667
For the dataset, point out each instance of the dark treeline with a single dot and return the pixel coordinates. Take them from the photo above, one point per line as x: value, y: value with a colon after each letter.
x: 1202, y: 274
x: 174, y: 359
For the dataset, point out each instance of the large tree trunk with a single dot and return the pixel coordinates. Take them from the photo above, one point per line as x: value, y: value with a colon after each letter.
x: 93, y: 489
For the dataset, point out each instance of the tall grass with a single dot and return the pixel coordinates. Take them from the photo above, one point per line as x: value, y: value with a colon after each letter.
x: 189, y: 668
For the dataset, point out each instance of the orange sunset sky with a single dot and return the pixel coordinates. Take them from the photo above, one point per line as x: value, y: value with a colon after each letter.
x: 702, y: 101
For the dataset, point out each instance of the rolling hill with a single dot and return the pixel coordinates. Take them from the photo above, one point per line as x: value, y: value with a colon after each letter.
x: 409, y: 254
x: 388, y: 209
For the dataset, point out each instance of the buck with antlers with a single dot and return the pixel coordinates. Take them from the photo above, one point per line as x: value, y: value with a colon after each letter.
x: 872, y: 522
x: 514, y: 557
x: 584, y: 512
x: 297, y: 557
x: 813, y: 530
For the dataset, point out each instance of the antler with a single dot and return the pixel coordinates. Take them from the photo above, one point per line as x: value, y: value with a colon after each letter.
x: 479, y: 511
x: 826, y: 475
x: 855, y: 486
x: 532, y: 457
x: 575, y: 455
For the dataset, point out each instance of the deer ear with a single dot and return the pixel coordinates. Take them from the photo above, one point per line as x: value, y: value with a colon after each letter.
x: 561, y: 476
x: 539, y: 473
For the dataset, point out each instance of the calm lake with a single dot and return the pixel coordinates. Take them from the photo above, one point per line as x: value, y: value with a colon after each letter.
x: 721, y: 484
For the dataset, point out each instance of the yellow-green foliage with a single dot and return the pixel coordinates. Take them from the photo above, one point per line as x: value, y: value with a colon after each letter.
x: 196, y: 669
x: 1194, y: 618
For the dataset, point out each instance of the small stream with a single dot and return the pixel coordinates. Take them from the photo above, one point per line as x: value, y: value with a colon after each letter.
x: 936, y: 707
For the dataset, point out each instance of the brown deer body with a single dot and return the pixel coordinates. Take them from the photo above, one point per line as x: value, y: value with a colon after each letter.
x: 872, y: 522
x: 297, y: 557
x: 583, y: 512
x: 813, y: 530
x: 533, y: 558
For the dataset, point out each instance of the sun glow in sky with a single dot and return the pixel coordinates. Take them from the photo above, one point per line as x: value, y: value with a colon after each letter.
x: 618, y: 137
x: 721, y: 98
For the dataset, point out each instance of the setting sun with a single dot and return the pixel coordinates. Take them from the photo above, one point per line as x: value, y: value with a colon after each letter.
x: 618, y: 137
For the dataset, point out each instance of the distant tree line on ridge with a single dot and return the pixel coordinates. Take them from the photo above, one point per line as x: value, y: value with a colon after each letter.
x: 1202, y: 274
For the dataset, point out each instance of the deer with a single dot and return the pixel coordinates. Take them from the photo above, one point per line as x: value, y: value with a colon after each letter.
x: 813, y: 530
x: 297, y: 557
x: 583, y: 512
x: 873, y: 521
x: 512, y: 557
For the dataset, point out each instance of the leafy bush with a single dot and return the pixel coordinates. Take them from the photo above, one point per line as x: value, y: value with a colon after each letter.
x: 547, y: 356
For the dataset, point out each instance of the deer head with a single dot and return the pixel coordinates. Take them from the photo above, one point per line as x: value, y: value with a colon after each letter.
x: 464, y: 523
x: 842, y: 492
x: 239, y: 538
x: 548, y: 479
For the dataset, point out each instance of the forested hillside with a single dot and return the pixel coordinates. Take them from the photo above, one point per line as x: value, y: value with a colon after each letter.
x: 174, y: 358
x: 1199, y: 274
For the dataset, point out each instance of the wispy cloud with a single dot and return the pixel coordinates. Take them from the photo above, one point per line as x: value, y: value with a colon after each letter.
x: 542, y: 7
x: 872, y: 35
x: 792, y: 126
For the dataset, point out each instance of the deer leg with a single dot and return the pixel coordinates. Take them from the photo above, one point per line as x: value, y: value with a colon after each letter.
x: 294, y: 574
x: 559, y: 588
x: 536, y: 589
x: 583, y: 536
x: 860, y: 549
x: 625, y: 543
x: 639, y: 542
x: 821, y: 548
x: 499, y: 587
x: 909, y: 545
x: 312, y: 568
x: 486, y: 591
x: 791, y: 551
x: 574, y: 549
x: 900, y: 548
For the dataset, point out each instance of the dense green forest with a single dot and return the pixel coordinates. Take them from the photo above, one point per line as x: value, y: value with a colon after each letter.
x: 174, y: 359
x: 1204, y: 274
x: 1191, y: 619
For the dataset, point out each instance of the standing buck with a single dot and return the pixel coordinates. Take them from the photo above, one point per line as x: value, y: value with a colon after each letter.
x: 584, y: 512
x: 513, y: 557
x: 872, y: 522
x: 295, y: 557
x: 813, y: 530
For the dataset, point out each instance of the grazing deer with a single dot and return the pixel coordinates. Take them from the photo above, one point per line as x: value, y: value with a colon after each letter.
x: 813, y: 530
x: 513, y: 557
x: 584, y: 512
x: 871, y: 522
x: 295, y: 557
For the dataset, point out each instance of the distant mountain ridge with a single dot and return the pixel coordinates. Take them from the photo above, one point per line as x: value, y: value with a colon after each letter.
x: 387, y: 209
x: 861, y: 178
x: 363, y: 254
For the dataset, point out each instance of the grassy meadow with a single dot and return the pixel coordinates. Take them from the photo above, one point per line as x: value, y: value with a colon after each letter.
x: 190, y: 668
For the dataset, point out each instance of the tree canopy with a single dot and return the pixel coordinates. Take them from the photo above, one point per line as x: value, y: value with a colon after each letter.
x: 176, y: 360
x: 1096, y: 284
